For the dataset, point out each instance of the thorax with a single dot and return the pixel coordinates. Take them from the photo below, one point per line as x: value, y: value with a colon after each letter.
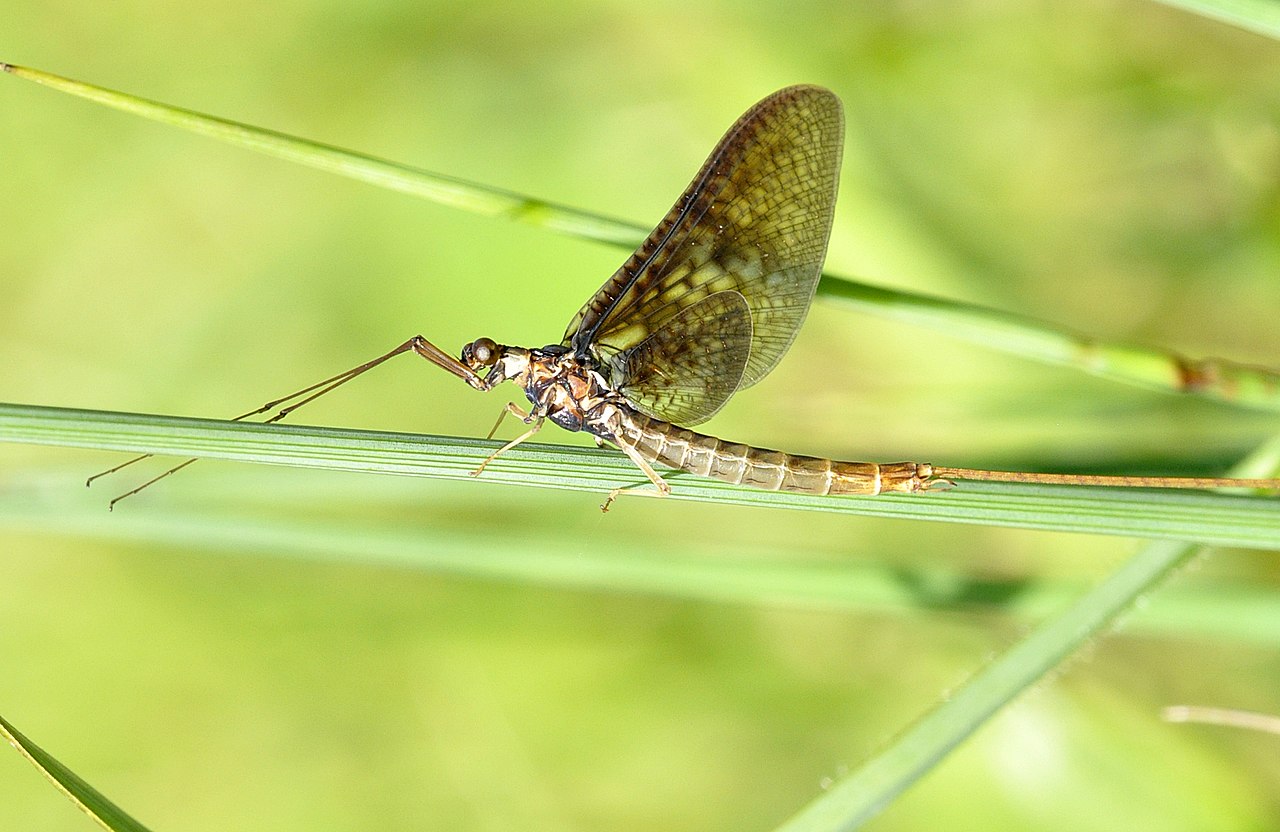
x: 571, y: 393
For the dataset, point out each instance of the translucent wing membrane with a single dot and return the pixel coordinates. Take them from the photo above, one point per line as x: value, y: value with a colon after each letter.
x: 686, y: 371
x: 755, y: 221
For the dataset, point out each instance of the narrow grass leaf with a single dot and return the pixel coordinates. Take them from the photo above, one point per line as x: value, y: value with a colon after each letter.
x: 310, y: 527
x: 1217, y: 519
x: 89, y: 800
x: 1243, y: 385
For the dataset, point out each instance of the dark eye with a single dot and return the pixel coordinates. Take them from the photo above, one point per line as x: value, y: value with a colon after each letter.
x: 483, y: 351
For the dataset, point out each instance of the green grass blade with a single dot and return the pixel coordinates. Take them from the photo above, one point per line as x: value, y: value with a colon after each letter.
x: 47, y: 502
x: 1239, y: 384
x: 863, y: 794
x: 108, y: 815
x: 857, y: 798
x: 1261, y: 16
x: 1216, y: 519
x: 1148, y: 367
x: 447, y: 190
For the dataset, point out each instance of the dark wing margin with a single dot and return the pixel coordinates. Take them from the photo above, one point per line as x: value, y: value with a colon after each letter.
x: 687, y: 370
x: 755, y: 221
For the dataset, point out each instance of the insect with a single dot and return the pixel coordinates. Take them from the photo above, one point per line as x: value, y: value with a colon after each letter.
x: 707, y: 305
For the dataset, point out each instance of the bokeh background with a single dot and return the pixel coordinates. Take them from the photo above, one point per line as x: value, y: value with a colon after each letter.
x: 1109, y: 166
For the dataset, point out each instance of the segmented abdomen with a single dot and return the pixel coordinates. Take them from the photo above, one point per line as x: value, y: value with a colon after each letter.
x: 707, y: 456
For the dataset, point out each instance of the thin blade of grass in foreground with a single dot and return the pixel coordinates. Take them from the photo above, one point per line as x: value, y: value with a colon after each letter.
x: 858, y: 797
x: 409, y: 529
x: 1255, y: 387
x: 1260, y: 16
x: 1215, y: 519
x: 89, y: 800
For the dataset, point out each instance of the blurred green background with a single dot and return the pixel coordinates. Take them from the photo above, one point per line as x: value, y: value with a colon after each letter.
x: 1111, y: 167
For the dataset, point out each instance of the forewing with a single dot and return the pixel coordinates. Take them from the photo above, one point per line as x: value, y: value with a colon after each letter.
x: 686, y: 370
x: 755, y: 220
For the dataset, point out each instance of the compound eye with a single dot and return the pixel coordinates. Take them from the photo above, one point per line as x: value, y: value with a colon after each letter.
x: 484, y: 352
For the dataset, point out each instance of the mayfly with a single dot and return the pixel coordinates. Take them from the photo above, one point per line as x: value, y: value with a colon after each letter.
x: 707, y: 305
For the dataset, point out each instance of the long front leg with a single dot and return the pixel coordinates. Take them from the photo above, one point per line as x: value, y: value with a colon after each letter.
x: 306, y: 395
